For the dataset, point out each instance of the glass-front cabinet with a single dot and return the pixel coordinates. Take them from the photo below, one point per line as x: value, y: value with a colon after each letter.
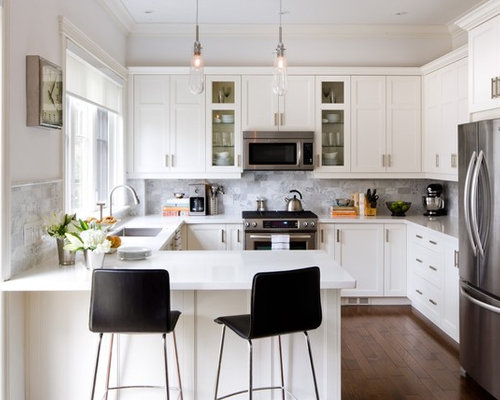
x: 333, y: 122
x: 224, y: 137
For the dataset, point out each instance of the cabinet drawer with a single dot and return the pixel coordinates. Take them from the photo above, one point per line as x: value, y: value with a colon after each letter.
x: 426, y: 298
x: 425, y: 238
x: 428, y: 264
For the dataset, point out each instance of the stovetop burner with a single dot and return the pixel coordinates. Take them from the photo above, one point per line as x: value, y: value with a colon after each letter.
x: 278, y: 214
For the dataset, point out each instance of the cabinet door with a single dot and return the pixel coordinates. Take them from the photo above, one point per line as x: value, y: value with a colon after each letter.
x: 359, y: 248
x: 259, y: 103
x: 404, y: 134
x: 234, y: 237
x: 368, y: 148
x: 434, y: 141
x: 187, y: 141
x: 296, y: 111
x: 450, y: 310
x: 395, y: 260
x: 206, y: 237
x: 483, y: 62
x: 151, y: 126
x: 326, y: 238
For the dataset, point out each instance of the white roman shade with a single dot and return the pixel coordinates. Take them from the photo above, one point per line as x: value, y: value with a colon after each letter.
x: 96, y: 85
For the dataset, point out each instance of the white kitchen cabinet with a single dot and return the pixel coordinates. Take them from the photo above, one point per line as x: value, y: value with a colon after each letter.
x: 433, y: 282
x: 168, y: 127
x: 263, y: 110
x: 333, y: 121
x: 214, y: 237
x: 223, y: 123
x: 395, y: 260
x: 484, y: 64
x: 386, y: 127
x: 451, y: 300
x: 445, y: 106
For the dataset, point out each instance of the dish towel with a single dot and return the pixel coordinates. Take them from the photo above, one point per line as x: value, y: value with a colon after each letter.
x: 280, y: 242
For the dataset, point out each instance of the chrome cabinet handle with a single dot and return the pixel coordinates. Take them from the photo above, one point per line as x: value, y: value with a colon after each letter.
x: 239, y: 160
x: 432, y: 242
x: 389, y: 161
x: 322, y: 236
x: 172, y: 157
x: 387, y: 235
x: 467, y: 201
x: 419, y: 292
x: 419, y: 260
x: 433, y: 302
x: 166, y: 160
x: 275, y: 119
x: 318, y: 160
x: 282, y: 119
x: 383, y: 160
x: 419, y: 236
x: 497, y: 83
x: 455, y: 258
x: 454, y: 160
x: 237, y: 235
x: 433, y: 268
x: 437, y: 160
x: 338, y: 235
x: 222, y: 235
x: 493, y: 88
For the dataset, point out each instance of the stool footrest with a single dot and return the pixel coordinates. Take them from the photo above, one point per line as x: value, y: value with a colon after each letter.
x: 256, y: 390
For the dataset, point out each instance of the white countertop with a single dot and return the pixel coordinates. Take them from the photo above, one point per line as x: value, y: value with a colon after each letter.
x: 189, y: 270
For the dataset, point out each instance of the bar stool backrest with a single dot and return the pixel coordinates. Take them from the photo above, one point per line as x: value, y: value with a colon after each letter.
x: 285, y: 302
x: 130, y: 301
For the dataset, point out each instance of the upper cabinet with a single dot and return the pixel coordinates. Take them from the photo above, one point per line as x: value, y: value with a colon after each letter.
x: 263, y: 110
x: 386, y: 127
x: 445, y: 100
x: 223, y: 123
x: 333, y: 120
x: 168, y: 127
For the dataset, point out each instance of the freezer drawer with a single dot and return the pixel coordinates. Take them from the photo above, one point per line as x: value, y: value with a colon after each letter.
x: 480, y: 338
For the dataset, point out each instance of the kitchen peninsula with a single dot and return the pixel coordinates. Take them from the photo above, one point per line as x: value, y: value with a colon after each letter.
x: 205, y: 284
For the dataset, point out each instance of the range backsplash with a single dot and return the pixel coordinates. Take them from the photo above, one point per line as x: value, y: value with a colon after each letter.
x: 318, y: 194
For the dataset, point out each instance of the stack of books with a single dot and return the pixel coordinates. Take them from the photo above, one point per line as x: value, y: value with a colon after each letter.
x: 176, y: 207
x: 343, y: 211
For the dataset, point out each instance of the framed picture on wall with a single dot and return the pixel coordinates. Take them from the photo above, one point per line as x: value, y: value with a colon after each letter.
x: 44, y: 93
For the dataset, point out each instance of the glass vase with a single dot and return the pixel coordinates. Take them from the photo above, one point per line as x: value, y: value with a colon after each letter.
x: 66, y: 257
x: 93, y: 260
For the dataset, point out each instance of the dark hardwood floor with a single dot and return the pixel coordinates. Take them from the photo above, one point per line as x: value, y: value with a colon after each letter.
x: 391, y: 352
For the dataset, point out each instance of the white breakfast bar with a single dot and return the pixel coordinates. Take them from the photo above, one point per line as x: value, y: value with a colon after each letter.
x: 59, y: 350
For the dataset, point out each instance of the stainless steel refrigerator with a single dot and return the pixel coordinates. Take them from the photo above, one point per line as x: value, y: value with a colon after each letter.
x: 479, y: 247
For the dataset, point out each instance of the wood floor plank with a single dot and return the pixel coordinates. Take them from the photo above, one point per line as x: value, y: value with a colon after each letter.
x: 392, y: 352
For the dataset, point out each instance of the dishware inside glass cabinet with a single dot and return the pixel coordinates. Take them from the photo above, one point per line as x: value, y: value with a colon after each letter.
x: 332, y: 92
x: 223, y: 92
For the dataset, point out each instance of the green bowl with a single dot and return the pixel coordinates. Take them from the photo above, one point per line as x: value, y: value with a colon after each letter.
x: 398, y: 208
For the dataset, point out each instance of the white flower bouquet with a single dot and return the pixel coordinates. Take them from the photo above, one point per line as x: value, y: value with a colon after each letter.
x: 90, y: 237
x: 59, y: 223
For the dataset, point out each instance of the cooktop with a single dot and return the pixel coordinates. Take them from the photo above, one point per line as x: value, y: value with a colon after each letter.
x: 278, y: 214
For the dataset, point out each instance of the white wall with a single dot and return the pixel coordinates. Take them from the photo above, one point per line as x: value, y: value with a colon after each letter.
x: 36, y: 153
x: 257, y: 50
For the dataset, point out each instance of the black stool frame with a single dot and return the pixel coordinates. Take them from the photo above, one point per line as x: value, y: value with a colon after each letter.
x: 283, y: 302
x: 132, y: 301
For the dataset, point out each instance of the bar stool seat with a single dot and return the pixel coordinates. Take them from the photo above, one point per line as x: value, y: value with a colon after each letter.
x: 132, y: 301
x: 283, y: 302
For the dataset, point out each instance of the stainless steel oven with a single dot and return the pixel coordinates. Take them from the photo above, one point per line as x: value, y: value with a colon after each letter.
x: 278, y: 150
x: 265, y: 230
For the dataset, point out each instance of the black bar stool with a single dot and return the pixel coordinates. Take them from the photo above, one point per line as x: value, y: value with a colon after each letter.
x: 132, y: 301
x: 282, y: 302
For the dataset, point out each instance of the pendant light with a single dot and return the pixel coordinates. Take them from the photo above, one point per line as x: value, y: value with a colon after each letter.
x: 196, y: 77
x: 280, y: 78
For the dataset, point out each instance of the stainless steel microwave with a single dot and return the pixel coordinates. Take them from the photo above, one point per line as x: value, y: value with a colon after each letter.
x: 278, y: 150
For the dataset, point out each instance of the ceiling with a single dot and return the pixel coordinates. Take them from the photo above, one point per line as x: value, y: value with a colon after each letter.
x: 311, y: 12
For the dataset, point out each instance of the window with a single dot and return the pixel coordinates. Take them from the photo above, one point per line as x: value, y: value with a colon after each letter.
x: 94, y: 129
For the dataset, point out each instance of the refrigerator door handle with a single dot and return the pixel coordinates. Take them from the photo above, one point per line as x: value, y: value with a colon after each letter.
x: 479, y: 303
x: 467, y: 205
x: 473, y: 202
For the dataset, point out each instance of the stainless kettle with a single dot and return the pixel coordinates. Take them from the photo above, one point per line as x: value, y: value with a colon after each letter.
x: 294, y: 204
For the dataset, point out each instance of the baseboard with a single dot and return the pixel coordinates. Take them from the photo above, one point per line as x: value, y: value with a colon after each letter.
x: 375, y: 301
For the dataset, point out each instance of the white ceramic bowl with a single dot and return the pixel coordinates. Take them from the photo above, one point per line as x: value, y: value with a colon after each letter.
x: 330, y: 156
x: 333, y: 117
x: 227, y: 118
x: 223, y: 155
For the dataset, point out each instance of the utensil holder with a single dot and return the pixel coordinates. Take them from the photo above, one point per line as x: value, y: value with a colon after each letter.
x: 213, y: 205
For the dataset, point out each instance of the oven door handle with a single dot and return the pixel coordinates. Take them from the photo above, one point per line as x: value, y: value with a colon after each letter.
x: 292, y: 236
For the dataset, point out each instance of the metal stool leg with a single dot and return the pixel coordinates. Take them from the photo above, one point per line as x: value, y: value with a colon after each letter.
x: 312, y: 365
x: 109, y: 365
x: 96, y: 366
x: 220, y: 361
x: 167, y: 386
x: 281, y: 369
x: 178, y: 369
x: 250, y: 376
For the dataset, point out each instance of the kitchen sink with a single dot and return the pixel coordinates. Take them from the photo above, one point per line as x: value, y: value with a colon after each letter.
x: 140, y: 232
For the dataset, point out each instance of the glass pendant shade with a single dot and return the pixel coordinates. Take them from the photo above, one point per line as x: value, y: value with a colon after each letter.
x: 196, y: 75
x: 280, y: 77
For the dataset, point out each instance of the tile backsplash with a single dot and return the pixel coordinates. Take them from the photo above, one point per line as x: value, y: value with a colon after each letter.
x: 29, y: 205
x: 318, y: 194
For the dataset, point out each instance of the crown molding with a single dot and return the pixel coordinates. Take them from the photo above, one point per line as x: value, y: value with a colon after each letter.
x: 477, y: 16
x: 447, y: 59
x: 119, y: 12
x: 73, y: 33
x: 459, y: 36
x: 291, y: 30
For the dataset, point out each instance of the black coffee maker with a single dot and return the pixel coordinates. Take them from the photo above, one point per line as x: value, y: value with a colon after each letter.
x: 434, y: 203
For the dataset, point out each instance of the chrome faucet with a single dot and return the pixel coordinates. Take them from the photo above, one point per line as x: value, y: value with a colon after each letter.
x: 130, y: 188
